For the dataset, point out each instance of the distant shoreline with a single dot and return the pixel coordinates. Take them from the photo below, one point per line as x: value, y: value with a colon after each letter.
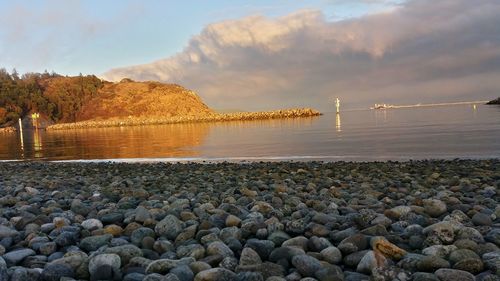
x: 433, y: 104
x: 216, y: 117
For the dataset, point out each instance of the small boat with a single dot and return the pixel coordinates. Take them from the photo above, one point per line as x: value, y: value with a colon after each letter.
x: 382, y: 106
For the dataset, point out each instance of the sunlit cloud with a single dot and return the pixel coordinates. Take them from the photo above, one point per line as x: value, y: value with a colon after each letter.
x: 420, y: 51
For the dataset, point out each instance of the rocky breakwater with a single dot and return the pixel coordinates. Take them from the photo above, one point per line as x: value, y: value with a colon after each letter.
x: 209, y: 117
x: 8, y: 130
x: 419, y: 220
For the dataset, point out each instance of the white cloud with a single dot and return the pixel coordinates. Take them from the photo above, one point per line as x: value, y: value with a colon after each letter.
x: 421, y: 51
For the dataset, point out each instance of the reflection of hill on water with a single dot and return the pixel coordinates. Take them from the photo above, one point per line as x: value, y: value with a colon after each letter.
x: 284, y: 122
x: 176, y: 140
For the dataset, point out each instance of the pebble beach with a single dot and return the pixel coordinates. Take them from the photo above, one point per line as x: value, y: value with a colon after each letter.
x: 432, y: 220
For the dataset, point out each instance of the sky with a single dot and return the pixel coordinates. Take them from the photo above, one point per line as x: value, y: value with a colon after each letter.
x: 253, y: 55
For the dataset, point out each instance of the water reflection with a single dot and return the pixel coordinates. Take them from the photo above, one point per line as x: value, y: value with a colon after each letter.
x: 37, y: 143
x: 180, y: 140
x: 337, y: 123
x: 367, y: 134
x: 380, y: 116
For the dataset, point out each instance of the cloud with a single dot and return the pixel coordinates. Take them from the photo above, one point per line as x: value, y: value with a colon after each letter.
x: 421, y: 51
x: 34, y: 35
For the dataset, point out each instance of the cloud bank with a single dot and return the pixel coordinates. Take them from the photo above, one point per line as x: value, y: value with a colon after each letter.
x: 422, y: 51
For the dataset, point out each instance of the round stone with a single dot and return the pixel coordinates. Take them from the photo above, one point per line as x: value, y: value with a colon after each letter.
x: 306, y: 265
x: 432, y: 263
x: 446, y: 274
x: 332, y: 255
x: 55, y: 271
x: 215, y: 274
x: 219, y: 248
x: 481, y: 219
x: 434, y: 207
x: 169, y: 227
x: 104, y: 266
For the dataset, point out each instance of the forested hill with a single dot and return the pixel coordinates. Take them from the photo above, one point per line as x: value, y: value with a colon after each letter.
x: 62, y: 99
x: 55, y: 97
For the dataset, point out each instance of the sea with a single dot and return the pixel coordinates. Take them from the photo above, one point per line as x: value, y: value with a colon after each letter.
x: 397, y: 134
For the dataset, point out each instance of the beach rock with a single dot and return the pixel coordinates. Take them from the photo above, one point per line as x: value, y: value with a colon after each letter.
x: 330, y: 273
x: 370, y: 261
x: 267, y: 269
x: 446, y: 274
x: 355, y: 276
x: 471, y: 234
x: 249, y: 276
x: 493, y: 236
x: 219, y: 248
x: 139, y: 234
x: 7, y: 232
x: 432, y: 263
x: 443, y: 232
x: 105, y: 267
x: 162, y: 266
x: 232, y: 220
x: 353, y: 244
x: 285, y: 253
x: 198, y: 266
x: 195, y: 251
x: 79, y: 208
x: 142, y: 214
x: 16, y: 256
x: 386, y: 248
x: 352, y: 260
x: 306, y: 265
x: 19, y: 274
x: 158, y: 277
x: 278, y: 237
x: 66, y: 238
x: 398, y: 212
x: 249, y: 257
x: 317, y: 244
x: 462, y: 254
x: 183, y: 273
x: 93, y: 243
x: 424, y: 276
x: 262, y: 247
x: 3, y: 270
x: 492, y: 261
x: 434, y: 207
x: 125, y: 252
x: 439, y: 250
x: 169, y: 227
x: 331, y: 255
x: 299, y: 241
x: 112, y: 218
x: 47, y: 248
x: 481, y: 219
x: 55, y: 271
x: 134, y: 276
x: 215, y: 274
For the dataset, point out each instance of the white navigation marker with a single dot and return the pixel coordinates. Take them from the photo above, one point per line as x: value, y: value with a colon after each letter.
x: 21, y: 133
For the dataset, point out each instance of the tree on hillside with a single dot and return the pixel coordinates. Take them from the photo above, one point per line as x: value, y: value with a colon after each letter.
x: 57, y: 97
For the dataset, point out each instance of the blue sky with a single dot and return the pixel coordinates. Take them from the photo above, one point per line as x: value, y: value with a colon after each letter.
x: 93, y: 36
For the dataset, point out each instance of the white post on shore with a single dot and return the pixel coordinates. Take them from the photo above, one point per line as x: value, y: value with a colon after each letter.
x: 21, y: 133
x: 337, y: 104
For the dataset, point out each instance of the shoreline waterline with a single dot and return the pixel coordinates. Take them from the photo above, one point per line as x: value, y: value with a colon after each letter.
x: 255, y: 159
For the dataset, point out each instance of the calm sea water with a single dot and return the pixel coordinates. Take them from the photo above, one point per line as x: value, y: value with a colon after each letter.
x: 394, y: 134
